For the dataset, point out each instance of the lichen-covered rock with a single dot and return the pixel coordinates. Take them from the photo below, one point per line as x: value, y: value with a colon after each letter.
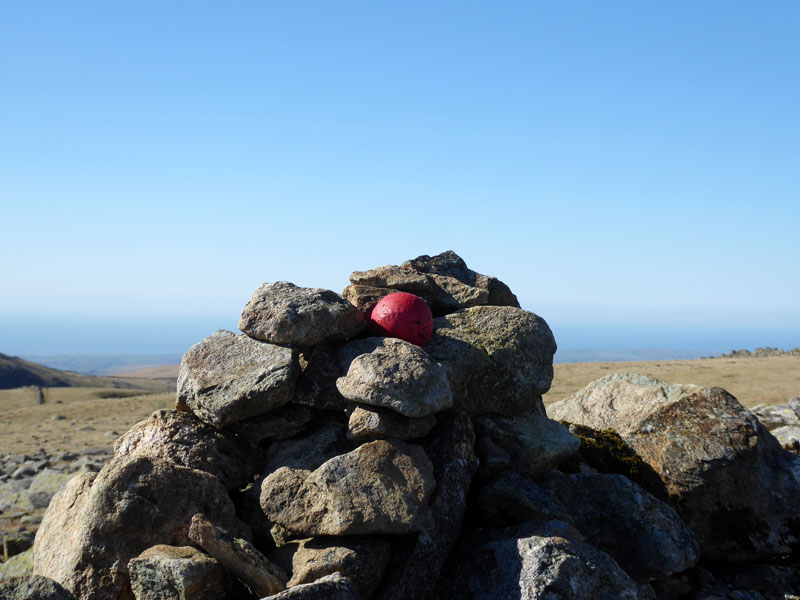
x: 730, y: 479
x: 536, y: 444
x: 395, y: 374
x: 46, y: 484
x: 238, y: 556
x: 330, y: 587
x: 380, y: 487
x: 789, y: 437
x: 183, y: 439
x: 283, y: 313
x: 644, y: 535
x: 499, y: 359
x: 414, y: 571
x: 228, y: 378
x: 100, y: 521
x: 18, y: 565
x: 538, y: 562
x: 176, y: 573
x: 33, y: 587
x: 368, y: 423
x: 362, y: 559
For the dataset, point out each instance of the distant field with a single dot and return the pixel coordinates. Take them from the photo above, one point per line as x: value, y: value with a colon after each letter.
x: 157, y: 372
x: 753, y: 381
x: 101, y: 416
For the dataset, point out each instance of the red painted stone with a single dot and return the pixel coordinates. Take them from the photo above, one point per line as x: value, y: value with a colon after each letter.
x: 403, y: 316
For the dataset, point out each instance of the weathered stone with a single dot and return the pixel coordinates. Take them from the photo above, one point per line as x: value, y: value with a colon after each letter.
x: 330, y: 587
x: 512, y: 499
x: 365, y: 297
x: 451, y: 264
x: 498, y: 359
x: 176, y: 573
x: 46, y: 484
x: 362, y: 559
x: 536, y: 444
x: 444, y: 281
x: 442, y: 293
x: 238, y: 556
x: 451, y: 447
x: 730, y: 479
x: 183, y: 439
x: 789, y: 437
x: 398, y: 375
x: 317, y: 384
x: 19, y: 565
x: 369, y: 423
x: 644, y: 535
x: 283, y: 313
x: 772, y: 416
x: 493, y: 459
x: 380, y: 487
x: 100, y: 521
x: 33, y: 587
x: 280, y: 424
x: 228, y: 378
x: 538, y: 561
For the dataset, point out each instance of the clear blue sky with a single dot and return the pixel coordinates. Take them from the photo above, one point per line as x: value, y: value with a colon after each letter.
x: 623, y: 166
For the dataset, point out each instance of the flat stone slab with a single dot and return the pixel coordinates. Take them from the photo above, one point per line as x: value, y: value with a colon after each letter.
x: 227, y: 378
x: 283, y: 313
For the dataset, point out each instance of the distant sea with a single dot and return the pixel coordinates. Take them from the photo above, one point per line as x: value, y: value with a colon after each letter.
x: 102, y: 344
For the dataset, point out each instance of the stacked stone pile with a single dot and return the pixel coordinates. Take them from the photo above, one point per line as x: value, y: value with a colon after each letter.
x: 307, y: 459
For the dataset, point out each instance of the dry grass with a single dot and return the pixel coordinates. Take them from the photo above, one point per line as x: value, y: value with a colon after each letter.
x: 99, y: 421
x: 753, y: 381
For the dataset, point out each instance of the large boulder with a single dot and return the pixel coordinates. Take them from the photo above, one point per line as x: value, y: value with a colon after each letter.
x: 176, y: 573
x: 183, y: 439
x: 644, y: 535
x: 380, y: 487
x: 499, y: 359
x: 537, y: 561
x: 316, y: 387
x: 395, y: 374
x: 100, y: 521
x: 228, y: 378
x: 283, y: 313
x: 535, y: 443
x: 729, y: 478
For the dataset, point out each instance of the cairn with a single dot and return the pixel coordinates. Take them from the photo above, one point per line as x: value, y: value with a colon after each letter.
x: 307, y: 458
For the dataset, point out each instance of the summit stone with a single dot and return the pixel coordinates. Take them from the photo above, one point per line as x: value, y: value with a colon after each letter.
x: 283, y: 313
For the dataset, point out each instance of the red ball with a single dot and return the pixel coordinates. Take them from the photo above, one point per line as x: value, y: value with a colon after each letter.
x: 403, y: 316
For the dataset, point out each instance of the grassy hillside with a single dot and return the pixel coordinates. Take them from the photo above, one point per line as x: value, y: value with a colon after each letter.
x: 16, y: 372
